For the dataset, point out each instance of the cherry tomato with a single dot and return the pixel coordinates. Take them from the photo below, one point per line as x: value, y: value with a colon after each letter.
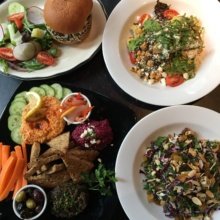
x: 45, y: 58
x: 174, y: 80
x: 17, y: 19
x: 170, y: 13
x: 141, y: 19
x: 132, y: 57
x: 7, y: 54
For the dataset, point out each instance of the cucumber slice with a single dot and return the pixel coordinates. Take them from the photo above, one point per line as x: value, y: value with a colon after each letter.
x: 15, y: 7
x: 16, y: 108
x: 14, y: 121
x: 16, y: 135
x: 38, y: 90
x: 21, y: 94
x: 66, y: 91
x: 58, y: 90
x: 20, y: 99
x: 48, y: 89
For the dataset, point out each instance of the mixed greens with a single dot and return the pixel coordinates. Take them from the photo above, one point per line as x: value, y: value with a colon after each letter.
x: 181, y: 173
x: 165, y: 47
x: 25, y: 43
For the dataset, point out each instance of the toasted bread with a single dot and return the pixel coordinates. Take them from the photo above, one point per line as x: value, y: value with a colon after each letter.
x: 50, y: 180
x: 76, y: 167
x: 60, y: 142
x: 89, y: 155
x: 35, y: 152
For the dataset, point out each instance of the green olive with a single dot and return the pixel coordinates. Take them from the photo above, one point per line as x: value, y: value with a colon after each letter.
x: 30, y: 203
x: 20, y: 197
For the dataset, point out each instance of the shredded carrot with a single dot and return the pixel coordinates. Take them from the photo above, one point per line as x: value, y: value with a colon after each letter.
x: 7, y: 171
x: 5, y: 154
x: 15, y: 175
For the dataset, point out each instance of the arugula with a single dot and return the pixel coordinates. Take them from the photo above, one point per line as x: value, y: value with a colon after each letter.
x: 32, y: 65
x: 152, y: 26
x: 101, y: 180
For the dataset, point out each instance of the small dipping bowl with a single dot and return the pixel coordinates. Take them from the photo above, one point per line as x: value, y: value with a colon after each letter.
x: 67, y: 119
x: 27, y: 190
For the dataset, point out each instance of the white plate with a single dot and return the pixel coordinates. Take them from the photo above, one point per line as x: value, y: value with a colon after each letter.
x: 118, y: 64
x: 162, y: 122
x: 72, y: 56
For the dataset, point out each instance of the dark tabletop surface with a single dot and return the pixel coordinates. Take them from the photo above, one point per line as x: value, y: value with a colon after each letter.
x: 94, y: 76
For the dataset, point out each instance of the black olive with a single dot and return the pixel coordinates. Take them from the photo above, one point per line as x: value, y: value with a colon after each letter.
x: 20, y: 206
x: 26, y: 36
x: 38, y: 196
x: 26, y: 213
x: 38, y: 209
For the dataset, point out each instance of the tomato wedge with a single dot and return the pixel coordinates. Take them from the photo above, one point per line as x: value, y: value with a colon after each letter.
x: 7, y: 54
x: 141, y: 19
x: 45, y: 58
x: 174, y: 80
x: 132, y: 57
x: 17, y: 18
x: 170, y: 13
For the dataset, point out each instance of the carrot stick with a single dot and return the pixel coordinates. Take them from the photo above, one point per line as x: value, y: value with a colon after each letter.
x: 16, y: 174
x: 18, y: 151
x: 18, y: 185
x: 0, y: 156
x: 5, y: 154
x: 13, y: 153
x: 24, y: 151
x: 24, y: 181
x: 7, y: 171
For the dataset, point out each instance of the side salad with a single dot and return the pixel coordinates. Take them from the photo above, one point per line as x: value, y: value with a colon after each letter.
x: 181, y: 173
x: 165, y: 47
x: 25, y: 43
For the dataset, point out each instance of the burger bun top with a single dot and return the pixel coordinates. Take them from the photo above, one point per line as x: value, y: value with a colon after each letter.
x: 67, y: 16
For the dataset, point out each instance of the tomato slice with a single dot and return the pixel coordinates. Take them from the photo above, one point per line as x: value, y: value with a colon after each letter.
x: 45, y: 58
x: 132, y: 57
x: 7, y: 54
x: 17, y: 19
x: 174, y: 80
x: 170, y: 13
x: 144, y: 17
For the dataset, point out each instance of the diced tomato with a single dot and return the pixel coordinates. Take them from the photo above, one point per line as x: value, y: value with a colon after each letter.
x: 7, y: 54
x: 17, y: 18
x: 132, y: 57
x: 45, y: 58
x: 174, y: 80
x: 170, y: 13
x: 144, y: 17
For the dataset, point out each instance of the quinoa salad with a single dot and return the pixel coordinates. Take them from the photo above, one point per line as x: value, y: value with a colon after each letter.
x: 181, y: 173
x: 165, y: 47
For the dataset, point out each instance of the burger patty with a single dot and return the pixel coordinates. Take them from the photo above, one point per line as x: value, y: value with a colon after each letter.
x: 74, y: 37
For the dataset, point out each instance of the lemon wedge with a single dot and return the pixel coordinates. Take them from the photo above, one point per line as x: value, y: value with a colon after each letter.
x: 35, y: 104
x: 69, y: 110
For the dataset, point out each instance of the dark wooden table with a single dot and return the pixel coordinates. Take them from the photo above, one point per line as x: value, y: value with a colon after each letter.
x: 94, y: 76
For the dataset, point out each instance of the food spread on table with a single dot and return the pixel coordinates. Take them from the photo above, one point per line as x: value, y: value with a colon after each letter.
x: 181, y: 173
x: 62, y: 158
x: 165, y: 46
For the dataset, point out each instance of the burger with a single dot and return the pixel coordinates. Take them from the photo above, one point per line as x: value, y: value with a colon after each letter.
x: 68, y: 21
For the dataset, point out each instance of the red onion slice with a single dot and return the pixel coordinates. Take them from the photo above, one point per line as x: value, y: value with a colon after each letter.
x: 35, y: 15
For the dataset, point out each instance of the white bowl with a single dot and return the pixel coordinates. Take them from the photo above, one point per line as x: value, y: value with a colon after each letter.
x: 89, y: 104
x: 44, y: 205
